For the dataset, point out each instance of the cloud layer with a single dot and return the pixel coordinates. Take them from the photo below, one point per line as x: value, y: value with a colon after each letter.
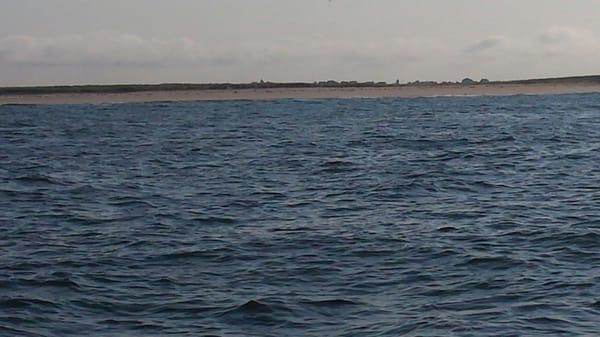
x: 109, y: 57
x: 94, y: 50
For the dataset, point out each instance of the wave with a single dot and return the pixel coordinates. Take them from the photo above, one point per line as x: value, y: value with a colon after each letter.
x: 38, y: 179
x: 21, y: 303
x: 332, y: 303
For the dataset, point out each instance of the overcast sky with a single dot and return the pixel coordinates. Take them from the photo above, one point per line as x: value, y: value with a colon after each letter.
x: 153, y: 41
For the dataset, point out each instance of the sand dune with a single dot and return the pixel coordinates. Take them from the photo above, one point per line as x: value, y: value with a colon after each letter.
x: 408, y: 91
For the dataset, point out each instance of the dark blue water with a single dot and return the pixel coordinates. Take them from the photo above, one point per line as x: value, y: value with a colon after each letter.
x: 388, y: 217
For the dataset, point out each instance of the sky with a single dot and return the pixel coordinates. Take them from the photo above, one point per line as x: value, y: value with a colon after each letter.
x: 156, y: 41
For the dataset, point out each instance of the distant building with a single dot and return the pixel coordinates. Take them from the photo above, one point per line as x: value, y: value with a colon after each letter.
x: 468, y: 81
x: 329, y: 83
x: 423, y: 83
x: 484, y: 81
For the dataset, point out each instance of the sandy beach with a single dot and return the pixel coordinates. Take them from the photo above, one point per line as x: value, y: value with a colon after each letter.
x: 303, y: 93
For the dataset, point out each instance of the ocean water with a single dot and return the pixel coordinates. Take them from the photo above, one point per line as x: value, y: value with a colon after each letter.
x: 473, y: 216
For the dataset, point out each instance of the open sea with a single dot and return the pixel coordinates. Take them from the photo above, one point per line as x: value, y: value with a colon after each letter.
x: 472, y: 216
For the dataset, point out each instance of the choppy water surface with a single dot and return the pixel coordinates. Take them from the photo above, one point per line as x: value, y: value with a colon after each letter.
x: 390, y: 217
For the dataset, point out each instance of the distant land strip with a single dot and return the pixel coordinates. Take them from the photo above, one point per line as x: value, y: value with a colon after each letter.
x: 166, y: 87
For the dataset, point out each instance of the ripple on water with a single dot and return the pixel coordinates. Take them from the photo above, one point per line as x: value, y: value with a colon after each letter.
x: 366, y: 217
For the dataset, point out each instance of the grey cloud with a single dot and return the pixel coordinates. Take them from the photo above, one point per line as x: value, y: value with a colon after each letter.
x: 564, y: 35
x: 125, y: 50
x: 483, y: 45
x: 94, y: 50
x: 549, y: 38
x: 107, y: 57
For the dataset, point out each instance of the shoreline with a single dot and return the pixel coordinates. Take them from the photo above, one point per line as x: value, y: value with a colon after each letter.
x: 405, y: 91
